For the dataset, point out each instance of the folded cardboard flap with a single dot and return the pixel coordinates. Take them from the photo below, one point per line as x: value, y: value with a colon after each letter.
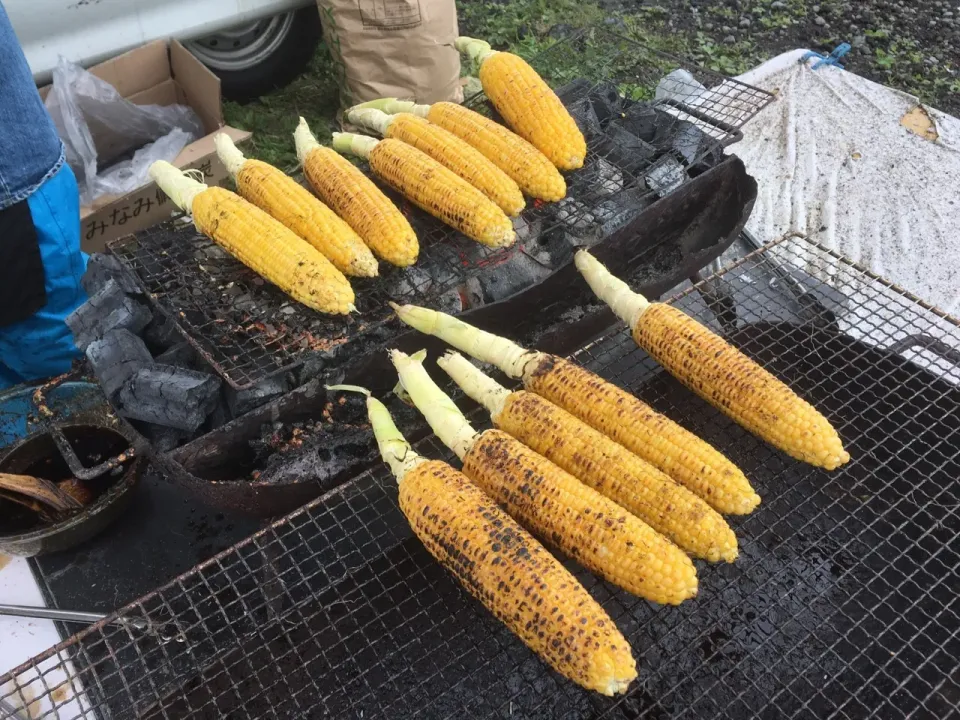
x: 158, y: 73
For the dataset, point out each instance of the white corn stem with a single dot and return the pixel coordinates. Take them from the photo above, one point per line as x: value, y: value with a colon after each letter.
x: 229, y: 154
x: 394, y: 449
x: 304, y: 141
x: 370, y: 118
x: 178, y: 187
x: 475, y: 383
x: 440, y: 412
x: 352, y: 144
x: 476, y: 50
x: 625, y: 303
x: 392, y: 106
x: 486, y: 347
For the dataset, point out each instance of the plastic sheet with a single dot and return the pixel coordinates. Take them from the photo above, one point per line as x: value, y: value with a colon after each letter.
x: 111, y: 142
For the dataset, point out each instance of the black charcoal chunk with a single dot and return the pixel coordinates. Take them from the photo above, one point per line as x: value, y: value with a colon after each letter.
x: 181, y: 354
x: 519, y: 272
x: 242, y: 401
x: 170, y: 396
x: 161, y: 334
x: 665, y: 175
x: 572, y: 215
x: 606, y: 101
x: 116, y: 357
x: 560, y: 245
x: 686, y: 140
x: 101, y: 268
x: 640, y: 121
x: 110, y: 309
x: 626, y: 150
x: 585, y: 117
x: 617, y: 211
x: 574, y: 90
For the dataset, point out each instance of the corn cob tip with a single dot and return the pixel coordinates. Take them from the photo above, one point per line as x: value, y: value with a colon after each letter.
x: 476, y: 50
x: 440, y: 412
x: 353, y: 144
x: 474, y: 382
x: 625, y: 303
x: 304, y: 140
x: 178, y: 186
x: 370, y: 118
x: 392, y: 106
x: 229, y: 153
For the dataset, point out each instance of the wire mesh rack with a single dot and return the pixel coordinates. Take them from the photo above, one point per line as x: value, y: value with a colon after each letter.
x: 639, y: 149
x: 842, y: 604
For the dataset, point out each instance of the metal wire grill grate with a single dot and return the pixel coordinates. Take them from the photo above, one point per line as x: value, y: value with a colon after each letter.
x: 842, y: 604
x: 248, y: 330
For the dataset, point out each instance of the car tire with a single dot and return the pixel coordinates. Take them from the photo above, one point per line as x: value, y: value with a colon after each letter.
x: 256, y: 58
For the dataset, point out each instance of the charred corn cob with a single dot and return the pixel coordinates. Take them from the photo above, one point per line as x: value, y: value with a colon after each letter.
x: 505, y: 568
x: 448, y: 150
x: 719, y: 373
x: 529, y: 168
x: 604, y: 407
x: 432, y: 187
x: 587, y: 526
x: 288, y: 201
x: 527, y: 103
x: 258, y: 241
x: 355, y: 198
x: 601, y: 463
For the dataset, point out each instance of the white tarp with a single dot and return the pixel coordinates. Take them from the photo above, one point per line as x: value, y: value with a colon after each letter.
x: 833, y: 161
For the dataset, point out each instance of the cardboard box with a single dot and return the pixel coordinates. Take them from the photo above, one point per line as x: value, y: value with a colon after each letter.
x: 159, y: 73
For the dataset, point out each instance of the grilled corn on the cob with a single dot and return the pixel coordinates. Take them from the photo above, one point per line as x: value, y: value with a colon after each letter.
x: 527, y: 103
x: 505, y: 568
x: 258, y: 241
x: 355, y: 198
x: 432, y: 187
x: 448, y: 150
x: 602, y: 405
x: 529, y: 168
x: 719, y: 373
x: 606, y: 466
x: 587, y: 526
x: 286, y: 200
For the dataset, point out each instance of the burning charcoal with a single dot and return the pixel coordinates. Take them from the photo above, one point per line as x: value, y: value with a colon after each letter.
x: 102, y: 268
x: 110, y: 309
x: 505, y: 279
x: 626, y: 150
x: 164, y: 439
x: 574, y: 91
x: 615, y: 212
x: 169, y: 396
x: 242, y: 401
x: 528, y: 230
x: 606, y: 101
x: 180, y: 355
x: 116, y: 357
x: 560, y: 245
x: 665, y: 175
x: 597, y: 180
x: 640, y: 121
x: 413, y: 282
x: 685, y: 138
x: 450, y: 302
x: 585, y: 117
x: 573, y: 214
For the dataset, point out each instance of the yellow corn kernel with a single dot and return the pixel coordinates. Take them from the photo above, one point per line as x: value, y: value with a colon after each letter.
x: 432, y: 187
x: 355, y: 198
x: 258, y: 241
x: 587, y: 526
x: 456, y: 155
x: 528, y: 104
x: 501, y: 565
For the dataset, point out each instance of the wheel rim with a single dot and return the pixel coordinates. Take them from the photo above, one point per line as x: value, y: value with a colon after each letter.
x: 244, y: 46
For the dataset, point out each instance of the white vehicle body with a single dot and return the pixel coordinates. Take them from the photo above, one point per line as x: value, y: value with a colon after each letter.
x: 89, y: 31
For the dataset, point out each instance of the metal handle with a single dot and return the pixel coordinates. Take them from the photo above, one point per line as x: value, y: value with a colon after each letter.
x: 70, y: 616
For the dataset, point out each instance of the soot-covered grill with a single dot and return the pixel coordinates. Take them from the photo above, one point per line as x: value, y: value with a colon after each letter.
x: 842, y: 603
x: 641, y: 147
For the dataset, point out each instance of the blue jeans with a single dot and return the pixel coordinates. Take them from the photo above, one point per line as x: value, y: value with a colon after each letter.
x: 35, y: 343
